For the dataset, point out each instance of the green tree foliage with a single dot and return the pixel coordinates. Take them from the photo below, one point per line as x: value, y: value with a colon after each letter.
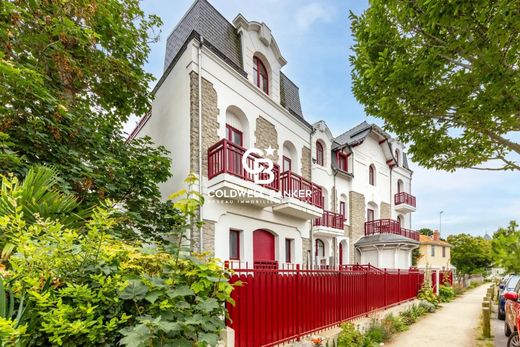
x: 444, y: 76
x: 72, y: 75
x: 84, y: 286
x: 426, y: 231
x: 470, y: 254
x: 506, y: 247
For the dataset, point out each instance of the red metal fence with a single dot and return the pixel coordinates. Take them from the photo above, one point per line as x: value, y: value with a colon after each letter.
x: 298, y: 187
x: 279, y: 305
x: 404, y: 198
x: 331, y: 220
x: 389, y: 226
x: 445, y: 277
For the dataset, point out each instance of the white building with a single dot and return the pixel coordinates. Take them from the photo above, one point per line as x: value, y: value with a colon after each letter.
x: 226, y: 79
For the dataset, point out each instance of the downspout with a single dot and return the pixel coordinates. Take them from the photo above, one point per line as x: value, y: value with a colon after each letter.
x: 201, y: 233
x: 311, y: 260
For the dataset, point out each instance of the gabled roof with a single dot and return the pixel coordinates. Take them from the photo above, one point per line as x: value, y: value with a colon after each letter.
x: 222, y: 37
x: 427, y: 240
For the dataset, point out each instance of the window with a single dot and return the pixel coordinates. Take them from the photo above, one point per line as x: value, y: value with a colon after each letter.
x: 234, y: 244
x: 397, y: 157
x: 286, y: 164
x: 234, y: 135
x: 370, y: 215
x: 400, y: 220
x: 399, y: 186
x: 342, y: 160
x: 319, y: 153
x: 433, y: 251
x: 260, y: 75
x: 444, y: 252
x: 288, y: 247
x: 342, y: 209
x: 372, y: 175
x: 320, y: 248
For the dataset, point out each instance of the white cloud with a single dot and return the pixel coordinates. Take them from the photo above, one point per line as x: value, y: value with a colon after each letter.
x: 313, y: 12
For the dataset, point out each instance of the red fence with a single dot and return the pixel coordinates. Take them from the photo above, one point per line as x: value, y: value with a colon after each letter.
x: 276, y: 306
x: 444, y: 278
x: 226, y: 157
x: 389, y: 226
x: 404, y: 198
x: 331, y: 220
x: 296, y: 186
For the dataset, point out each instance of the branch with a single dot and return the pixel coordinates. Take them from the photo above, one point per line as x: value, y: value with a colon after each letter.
x: 503, y: 141
x: 458, y: 63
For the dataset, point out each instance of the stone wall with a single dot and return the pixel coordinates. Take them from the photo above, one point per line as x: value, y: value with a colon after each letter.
x: 210, y: 123
x: 306, y: 247
x: 334, y: 200
x: 266, y: 135
x: 208, y: 233
x: 385, y: 211
x: 357, y: 221
x: 306, y: 162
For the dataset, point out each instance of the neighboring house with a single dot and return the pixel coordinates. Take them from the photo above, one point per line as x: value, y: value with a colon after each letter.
x: 435, y: 253
x: 329, y: 201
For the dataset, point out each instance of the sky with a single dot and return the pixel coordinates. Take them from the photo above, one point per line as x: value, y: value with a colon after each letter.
x: 315, y: 39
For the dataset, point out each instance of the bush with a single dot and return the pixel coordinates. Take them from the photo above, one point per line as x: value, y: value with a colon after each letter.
x: 350, y: 336
x: 426, y: 293
x: 446, y: 293
x: 427, y: 306
x: 394, y: 324
x: 82, y: 286
x: 376, y: 334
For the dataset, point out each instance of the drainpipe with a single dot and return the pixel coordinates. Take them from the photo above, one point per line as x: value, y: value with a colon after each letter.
x: 311, y: 260
x: 201, y: 234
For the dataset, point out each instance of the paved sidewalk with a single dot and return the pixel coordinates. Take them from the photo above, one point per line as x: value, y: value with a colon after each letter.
x: 497, y: 329
x: 452, y: 325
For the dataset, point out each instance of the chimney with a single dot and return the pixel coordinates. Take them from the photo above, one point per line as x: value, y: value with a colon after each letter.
x: 436, y: 235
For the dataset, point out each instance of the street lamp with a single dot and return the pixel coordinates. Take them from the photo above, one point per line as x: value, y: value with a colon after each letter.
x: 440, y: 221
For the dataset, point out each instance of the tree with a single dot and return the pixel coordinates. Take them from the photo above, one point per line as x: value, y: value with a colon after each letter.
x: 470, y: 254
x: 72, y: 74
x: 444, y: 77
x: 426, y: 231
x: 506, y: 247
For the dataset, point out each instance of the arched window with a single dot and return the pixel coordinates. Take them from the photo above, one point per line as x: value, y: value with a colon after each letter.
x: 372, y: 175
x: 319, y: 153
x: 400, y: 186
x: 400, y: 219
x: 260, y: 75
x: 320, y: 248
x: 397, y: 157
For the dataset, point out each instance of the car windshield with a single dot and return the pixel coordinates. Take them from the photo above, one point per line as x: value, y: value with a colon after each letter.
x: 511, y: 284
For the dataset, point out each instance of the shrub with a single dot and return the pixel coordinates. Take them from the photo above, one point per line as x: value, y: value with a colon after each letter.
x: 376, y: 334
x: 394, y: 324
x: 82, y: 286
x: 350, y: 336
x: 427, y: 306
x: 446, y: 293
x: 426, y: 293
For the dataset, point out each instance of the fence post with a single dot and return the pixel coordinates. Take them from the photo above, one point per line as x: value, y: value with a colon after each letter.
x: 366, y: 291
x: 295, y: 298
x: 398, y: 285
x: 385, y: 287
x: 486, y: 315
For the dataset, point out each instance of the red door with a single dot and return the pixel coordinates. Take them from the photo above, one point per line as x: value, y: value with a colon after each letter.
x: 263, y: 248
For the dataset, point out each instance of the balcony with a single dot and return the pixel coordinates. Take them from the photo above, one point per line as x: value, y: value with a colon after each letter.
x: 330, y: 224
x: 404, y: 202
x: 300, y: 197
x: 389, y: 226
x: 229, y: 180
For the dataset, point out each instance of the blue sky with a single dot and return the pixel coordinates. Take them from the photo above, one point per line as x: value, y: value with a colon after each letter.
x: 314, y: 37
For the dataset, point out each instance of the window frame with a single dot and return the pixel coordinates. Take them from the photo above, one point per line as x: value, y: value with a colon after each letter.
x: 372, y: 213
x: 372, y: 175
x: 320, y: 154
x: 432, y: 251
x: 288, y: 250
x: 289, y: 160
x: 342, y: 160
x: 230, y: 130
x: 343, y: 209
x: 444, y: 251
x: 322, y: 244
x: 237, y: 232
x: 258, y: 66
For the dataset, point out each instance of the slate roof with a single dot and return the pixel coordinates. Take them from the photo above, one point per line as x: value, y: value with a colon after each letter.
x: 357, y: 135
x: 384, y: 238
x: 202, y: 19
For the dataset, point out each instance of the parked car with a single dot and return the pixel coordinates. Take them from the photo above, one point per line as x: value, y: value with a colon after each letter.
x: 512, y: 321
x: 506, y: 286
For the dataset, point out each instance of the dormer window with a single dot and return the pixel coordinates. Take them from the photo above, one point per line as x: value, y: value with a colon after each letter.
x: 319, y: 153
x: 342, y: 161
x: 261, y: 78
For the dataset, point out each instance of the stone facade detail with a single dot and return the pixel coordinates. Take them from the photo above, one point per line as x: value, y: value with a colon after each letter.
x: 306, y: 162
x: 306, y: 249
x: 266, y: 135
x: 208, y: 234
x: 334, y: 200
x: 210, y: 123
x: 357, y: 220
x: 385, y: 211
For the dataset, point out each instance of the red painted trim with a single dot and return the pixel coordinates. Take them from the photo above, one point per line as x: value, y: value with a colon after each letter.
x: 345, y: 156
x: 320, y: 154
x: 288, y: 160
x: 383, y: 141
x: 142, y: 122
x: 259, y: 67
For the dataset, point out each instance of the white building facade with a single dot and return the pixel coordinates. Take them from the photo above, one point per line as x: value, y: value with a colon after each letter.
x: 326, y: 200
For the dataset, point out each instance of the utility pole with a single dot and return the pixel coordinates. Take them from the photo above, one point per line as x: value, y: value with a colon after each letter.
x: 440, y: 222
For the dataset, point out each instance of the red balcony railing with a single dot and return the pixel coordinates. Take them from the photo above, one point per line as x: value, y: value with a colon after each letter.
x: 404, y: 198
x: 226, y: 157
x: 300, y: 188
x: 331, y: 220
x: 389, y: 226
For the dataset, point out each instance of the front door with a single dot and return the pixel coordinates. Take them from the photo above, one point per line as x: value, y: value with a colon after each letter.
x: 263, y: 248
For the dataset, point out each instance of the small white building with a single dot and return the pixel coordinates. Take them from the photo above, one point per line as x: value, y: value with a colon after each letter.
x: 325, y: 201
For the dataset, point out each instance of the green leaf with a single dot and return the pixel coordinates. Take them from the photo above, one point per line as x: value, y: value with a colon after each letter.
x: 135, y: 290
x: 180, y: 291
